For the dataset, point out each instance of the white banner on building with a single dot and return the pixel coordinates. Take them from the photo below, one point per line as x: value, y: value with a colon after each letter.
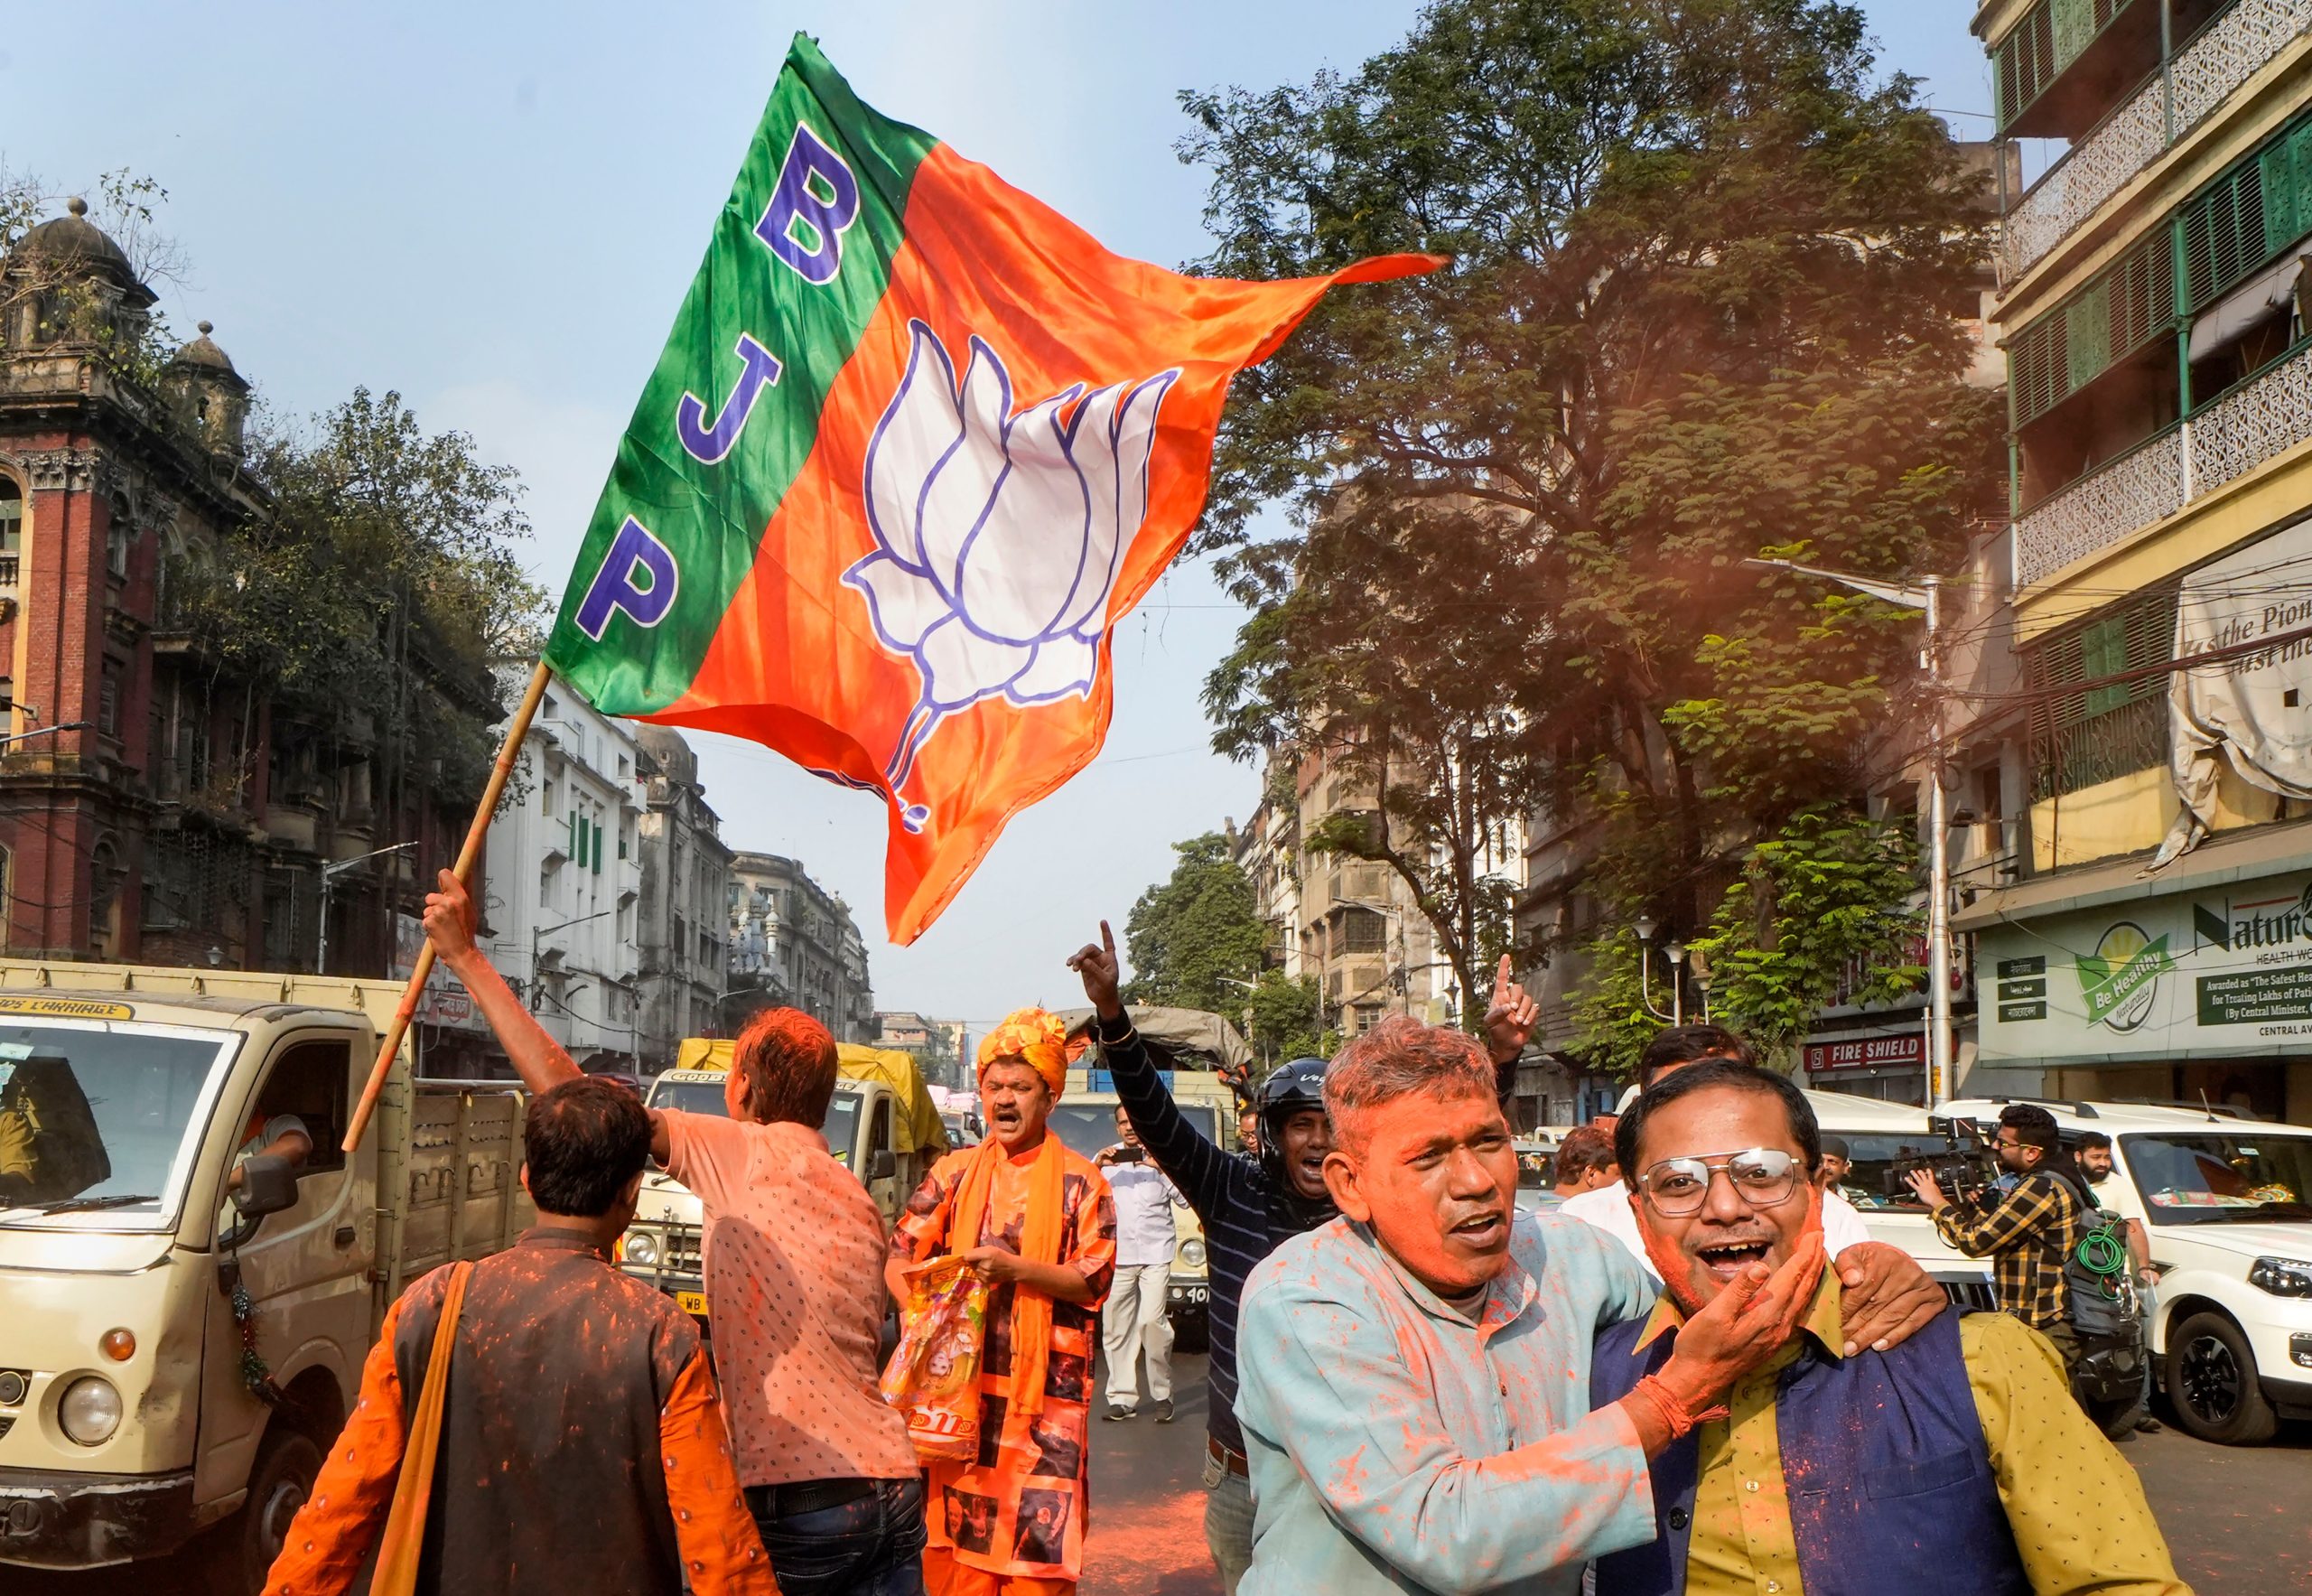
x: 2252, y: 711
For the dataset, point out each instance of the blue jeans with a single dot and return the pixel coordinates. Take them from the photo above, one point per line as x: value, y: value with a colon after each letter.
x: 870, y: 1547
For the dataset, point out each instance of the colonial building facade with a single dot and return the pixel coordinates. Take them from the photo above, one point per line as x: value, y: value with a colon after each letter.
x: 153, y: 806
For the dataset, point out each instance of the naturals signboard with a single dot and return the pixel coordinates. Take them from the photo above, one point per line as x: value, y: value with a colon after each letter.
x: 2208, y: 974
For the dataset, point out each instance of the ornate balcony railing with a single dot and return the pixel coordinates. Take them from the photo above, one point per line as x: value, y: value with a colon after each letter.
x: 2134, y: 491
x: 8, y: 572
x: 2073, y: 757
x: 2260, y: 420
x: 2224, y: 54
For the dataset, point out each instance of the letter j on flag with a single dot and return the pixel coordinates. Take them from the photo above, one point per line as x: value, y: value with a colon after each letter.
x: 916, y: 443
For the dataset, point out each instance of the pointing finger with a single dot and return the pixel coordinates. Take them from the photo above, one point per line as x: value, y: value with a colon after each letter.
x: 1107, y: 938
x: 1504, y: 974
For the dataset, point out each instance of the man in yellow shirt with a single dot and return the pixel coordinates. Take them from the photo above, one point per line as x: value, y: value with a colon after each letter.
x: 1956, y: 1463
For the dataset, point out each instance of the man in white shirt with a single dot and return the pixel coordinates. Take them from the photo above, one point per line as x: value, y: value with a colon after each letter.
x: 1133, y: 1317
x: 1672, y: 1050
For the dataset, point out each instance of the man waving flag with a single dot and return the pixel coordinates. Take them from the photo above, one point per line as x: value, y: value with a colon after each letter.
x: 916, y: 443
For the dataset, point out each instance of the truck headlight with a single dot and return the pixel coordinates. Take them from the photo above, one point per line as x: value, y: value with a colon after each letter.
x: 641, y: 1247
x: 89, y: 1411
x: 2283, y: 1277
x: 1192, y: 1254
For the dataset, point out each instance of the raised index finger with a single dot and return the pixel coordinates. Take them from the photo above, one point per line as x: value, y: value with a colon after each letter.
x: 1502, y: 976
x: 1107, y: 938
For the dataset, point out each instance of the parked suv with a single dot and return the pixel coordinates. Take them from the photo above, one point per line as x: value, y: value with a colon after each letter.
x: 2224, y: 1201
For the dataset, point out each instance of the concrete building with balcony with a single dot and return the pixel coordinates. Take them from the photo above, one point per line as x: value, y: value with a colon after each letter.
x: 939, y: 1046
x: 795, y: 944
x: 1267, y: 849
x: 2153, y: 306
x: 156, y: 805
x: 565, y: 883
x: 680, y: 934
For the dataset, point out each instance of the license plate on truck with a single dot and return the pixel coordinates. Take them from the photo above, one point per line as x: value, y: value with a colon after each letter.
x: 691, y: 1303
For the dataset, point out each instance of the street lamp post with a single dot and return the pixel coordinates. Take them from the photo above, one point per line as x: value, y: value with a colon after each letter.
x: 1643, y: 929
x: 330, y: 873
x: 1925, y: 597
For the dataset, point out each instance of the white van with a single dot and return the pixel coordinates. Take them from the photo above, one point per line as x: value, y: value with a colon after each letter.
x: 2224, y: 1201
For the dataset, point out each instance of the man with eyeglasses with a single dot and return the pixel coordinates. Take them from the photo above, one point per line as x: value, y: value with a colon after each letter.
x: 1955, y: 1463
x: 2028, y: 1230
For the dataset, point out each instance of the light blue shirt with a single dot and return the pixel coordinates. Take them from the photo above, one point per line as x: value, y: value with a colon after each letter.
x: 1397, y: 1446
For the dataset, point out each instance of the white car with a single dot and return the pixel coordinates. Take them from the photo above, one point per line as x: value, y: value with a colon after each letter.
x: 2222, y: 1199
x: 1877, y: 1134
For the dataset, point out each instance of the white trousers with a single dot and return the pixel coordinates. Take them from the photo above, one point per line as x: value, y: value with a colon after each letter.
x: 1133, y: 1319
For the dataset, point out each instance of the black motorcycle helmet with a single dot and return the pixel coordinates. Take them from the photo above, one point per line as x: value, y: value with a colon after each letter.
x: 1296, y: 1085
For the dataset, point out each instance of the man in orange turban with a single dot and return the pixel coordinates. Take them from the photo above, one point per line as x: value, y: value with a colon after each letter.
x: 1037, y: 1220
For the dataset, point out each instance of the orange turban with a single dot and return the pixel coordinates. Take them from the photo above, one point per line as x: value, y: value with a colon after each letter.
x: 1033, y: 1037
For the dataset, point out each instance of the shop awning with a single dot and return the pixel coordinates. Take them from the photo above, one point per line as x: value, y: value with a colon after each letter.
x: 2242, y: 855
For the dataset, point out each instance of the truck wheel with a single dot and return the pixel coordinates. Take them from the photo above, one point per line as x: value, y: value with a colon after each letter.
x: 2211, y: 1380
x: 242, y: 1548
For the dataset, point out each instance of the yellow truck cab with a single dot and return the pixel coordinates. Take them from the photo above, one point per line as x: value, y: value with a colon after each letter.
x: 1196, y: 1046
x: 882, y: 1124
x: 132, y: 1418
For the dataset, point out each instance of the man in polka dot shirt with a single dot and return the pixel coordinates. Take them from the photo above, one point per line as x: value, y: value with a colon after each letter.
x: 794, y: 1250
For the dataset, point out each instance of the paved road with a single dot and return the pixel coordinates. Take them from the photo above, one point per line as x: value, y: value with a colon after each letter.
x: 2238, y: 1519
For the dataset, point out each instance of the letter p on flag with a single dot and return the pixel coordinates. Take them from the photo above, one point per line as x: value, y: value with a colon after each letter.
x: 897, y: 553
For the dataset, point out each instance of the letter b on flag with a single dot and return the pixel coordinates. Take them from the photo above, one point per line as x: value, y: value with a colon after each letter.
x: 816, y: 199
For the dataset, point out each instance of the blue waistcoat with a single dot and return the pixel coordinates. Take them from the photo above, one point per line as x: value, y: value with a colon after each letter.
x: 1891, y: 1488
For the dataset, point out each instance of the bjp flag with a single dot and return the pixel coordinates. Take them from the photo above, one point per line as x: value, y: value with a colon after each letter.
x: 916, y: 443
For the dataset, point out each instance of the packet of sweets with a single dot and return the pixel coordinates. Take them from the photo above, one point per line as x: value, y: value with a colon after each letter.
x: 933, y: 1377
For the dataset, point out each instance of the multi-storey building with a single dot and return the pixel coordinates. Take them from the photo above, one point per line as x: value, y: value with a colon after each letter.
x: 154, y: 804
x: 2153, y: 306
x: 566, y: 880
x: 938, y: 1045
x: 794, y: 943
x: 1267, y: 849
x: 679, y: 935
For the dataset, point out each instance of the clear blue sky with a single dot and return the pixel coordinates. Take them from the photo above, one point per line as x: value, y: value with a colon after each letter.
x: 495, y: 209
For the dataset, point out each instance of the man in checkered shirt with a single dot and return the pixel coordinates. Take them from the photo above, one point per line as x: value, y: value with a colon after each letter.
x: 2029, y: 1231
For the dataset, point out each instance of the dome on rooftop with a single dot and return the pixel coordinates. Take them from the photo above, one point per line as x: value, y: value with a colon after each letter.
x: 203, y: 352
x: 674, y: 756
x: 77, y: 244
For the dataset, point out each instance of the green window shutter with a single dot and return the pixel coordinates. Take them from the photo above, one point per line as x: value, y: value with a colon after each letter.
x: 2103, y: 652
x: 2073, y: 26
x: 2225, y: 233
x: 597, y: 849
x: 2275, y: 173
x: 2087, y: 335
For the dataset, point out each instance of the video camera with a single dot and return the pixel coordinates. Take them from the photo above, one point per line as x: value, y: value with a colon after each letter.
x: 1964, y: 1171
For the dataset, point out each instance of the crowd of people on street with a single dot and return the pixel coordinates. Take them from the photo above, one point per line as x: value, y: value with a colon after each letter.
x: 1692, y: 1370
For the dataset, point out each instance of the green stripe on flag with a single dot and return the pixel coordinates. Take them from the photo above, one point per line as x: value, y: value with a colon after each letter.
x: 717, y: 439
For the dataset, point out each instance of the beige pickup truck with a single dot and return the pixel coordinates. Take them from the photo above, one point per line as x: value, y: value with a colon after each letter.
x: 131, y: 1423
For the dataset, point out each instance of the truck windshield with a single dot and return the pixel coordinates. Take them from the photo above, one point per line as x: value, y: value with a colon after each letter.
x: 1088, y: 1127
x: 706, y: 1096
x: 101, y: 1119
x: 2200, y: 1178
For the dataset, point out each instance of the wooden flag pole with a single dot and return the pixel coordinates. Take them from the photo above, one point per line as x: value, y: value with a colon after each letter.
x: 515, y: 730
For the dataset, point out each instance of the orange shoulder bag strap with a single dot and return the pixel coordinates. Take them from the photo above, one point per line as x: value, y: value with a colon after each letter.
x: 403, y: 1541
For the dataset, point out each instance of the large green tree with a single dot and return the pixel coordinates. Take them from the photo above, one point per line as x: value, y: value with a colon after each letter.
x: 1193, y: 939
x: 1705, y: 262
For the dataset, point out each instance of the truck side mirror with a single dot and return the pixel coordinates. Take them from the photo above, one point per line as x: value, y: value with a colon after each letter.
x: 268, y: 1185
x: 883, y: 1164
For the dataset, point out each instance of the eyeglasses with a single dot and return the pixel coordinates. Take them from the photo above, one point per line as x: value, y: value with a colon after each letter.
x: 1761, y: 1177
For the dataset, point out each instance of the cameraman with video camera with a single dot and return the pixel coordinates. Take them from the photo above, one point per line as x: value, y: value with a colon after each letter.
x: 2029, y: 1231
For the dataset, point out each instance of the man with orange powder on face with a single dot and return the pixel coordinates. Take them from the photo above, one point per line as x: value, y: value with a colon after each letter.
x: 1416, y: 1373
x: 1957, y: 1464
x: 1038, y: 1220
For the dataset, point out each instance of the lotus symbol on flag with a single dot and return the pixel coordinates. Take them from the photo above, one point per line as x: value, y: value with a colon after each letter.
x: 999, y: 536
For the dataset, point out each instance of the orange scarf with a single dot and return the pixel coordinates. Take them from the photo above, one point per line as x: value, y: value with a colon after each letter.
x: 1038, y: 1242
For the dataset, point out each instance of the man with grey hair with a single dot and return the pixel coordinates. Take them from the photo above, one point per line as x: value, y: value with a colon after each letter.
x: 1416, y: 1372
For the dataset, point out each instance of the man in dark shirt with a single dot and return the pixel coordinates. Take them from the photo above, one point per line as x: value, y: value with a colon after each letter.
x: 1249, y: 1206
x: 582, y: 1432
